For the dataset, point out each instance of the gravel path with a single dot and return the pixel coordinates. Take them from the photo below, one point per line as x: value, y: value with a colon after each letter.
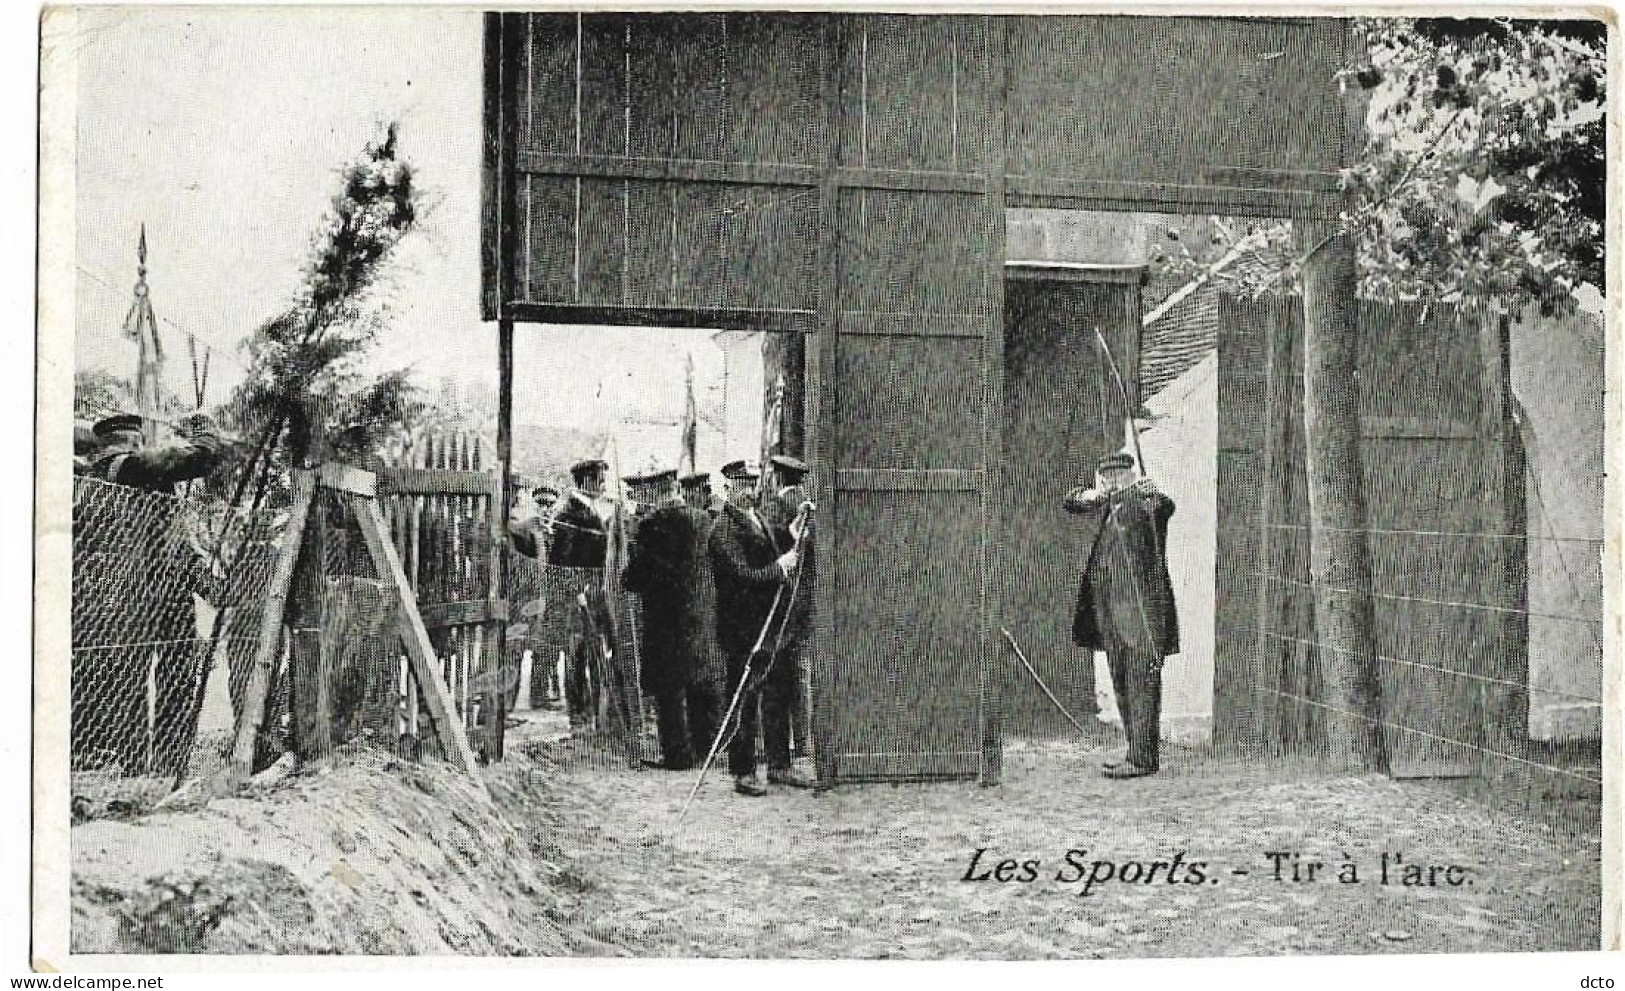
x: 878, y: 871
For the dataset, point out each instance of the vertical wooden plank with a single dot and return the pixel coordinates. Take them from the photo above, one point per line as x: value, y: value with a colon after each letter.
x: 995, y: 84
x: 820, y: 392
x: 1277, y: 369
x: 497, y: 132
x: 310, y: 666
x: 1505, y: 711
x: 276, y: 600
x: 418, y: 647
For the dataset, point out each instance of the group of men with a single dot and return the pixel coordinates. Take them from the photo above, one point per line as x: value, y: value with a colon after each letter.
x: 132, y: 610
x: 725, y: 606
x: 730, y: 582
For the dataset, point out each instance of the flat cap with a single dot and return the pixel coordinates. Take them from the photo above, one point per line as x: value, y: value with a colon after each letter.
x: 790, y: 466
x: 591, y: 466
x: 696, y: 480
x: 1116, y: 459
x: 117, y: 423
x: 741, y: 469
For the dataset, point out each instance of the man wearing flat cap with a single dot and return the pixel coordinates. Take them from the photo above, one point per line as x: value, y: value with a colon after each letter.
x: 668, y: 568
x: 1126, y: 600
x: 580, y: 528
x: 786, y: 690
x: 124, y: 458
x: 581, y: 542
x: 749, y: 572
x: 697, y: 493
x: 135, y: 573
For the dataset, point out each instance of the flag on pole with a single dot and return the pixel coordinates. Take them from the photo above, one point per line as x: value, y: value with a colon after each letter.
x: 141, y: 326
x: 691, y: 419
x: 771, y: 429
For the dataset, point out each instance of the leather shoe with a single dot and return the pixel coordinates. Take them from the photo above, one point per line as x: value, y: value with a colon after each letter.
x: 750, y: 785
x: 1112, y: 762
x: 1128, y: 770
x: 789, y: 778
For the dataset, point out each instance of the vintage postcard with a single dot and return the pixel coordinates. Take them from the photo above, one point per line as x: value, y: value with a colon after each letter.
x: 960, y: 484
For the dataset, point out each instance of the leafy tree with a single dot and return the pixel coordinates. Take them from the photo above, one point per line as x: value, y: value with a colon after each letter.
x: 305, y: 381
x: 98, y: 392
x: 1482, y: 178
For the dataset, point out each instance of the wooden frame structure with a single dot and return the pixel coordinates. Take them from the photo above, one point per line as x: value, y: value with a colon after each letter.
x: 819, y: 174
x: 359, y: 491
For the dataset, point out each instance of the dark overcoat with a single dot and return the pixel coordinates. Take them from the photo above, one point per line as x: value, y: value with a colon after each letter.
x: 778, y: 514
x: 743, y: 560
x: 1139, y: 518
x: 579, y: 537
x: 669, y: 568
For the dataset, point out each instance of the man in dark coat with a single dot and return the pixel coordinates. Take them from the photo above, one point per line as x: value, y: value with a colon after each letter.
x: 134, y: 576
x: 580, y: 541
x: 749, y: 571
x: 668, y: 561
x: 1126, y: 600
x: 786, y: 688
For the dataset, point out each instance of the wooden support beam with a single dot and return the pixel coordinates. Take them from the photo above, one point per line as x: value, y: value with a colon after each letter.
x: 276, y: 602
x: 310, y: 666
x: 418, y: 648
x: 345, y: 478
x: 1338, y: 555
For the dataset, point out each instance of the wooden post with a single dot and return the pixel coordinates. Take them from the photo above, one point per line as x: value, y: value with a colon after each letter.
x: 276, y: 601
x: 418, y: 648
x: 502, y: 37
x: 311, y: 662
x: 1263, y: 730
x: 1505, y: 711
x: 502, y: 506
x: 990, y: 700
x: 1339, y: 559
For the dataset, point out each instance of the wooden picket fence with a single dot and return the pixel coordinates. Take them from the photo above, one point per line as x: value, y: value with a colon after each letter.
x: 441, y: 501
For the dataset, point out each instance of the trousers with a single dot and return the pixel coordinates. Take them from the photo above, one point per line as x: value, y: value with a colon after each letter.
x: 1137, y: 680
x: 686, y: 720
x: 763, y: 708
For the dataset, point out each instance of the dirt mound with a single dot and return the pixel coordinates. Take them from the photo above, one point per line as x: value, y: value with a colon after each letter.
x: 375, y: 856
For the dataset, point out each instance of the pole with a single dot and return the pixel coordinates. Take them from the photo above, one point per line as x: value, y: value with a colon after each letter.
x: 1338, y: 555
x: 499, y: 529
x: 1045, y: 688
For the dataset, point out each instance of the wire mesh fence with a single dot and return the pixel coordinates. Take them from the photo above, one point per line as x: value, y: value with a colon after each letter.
x: 1457, y: 677
x: 165, y: 590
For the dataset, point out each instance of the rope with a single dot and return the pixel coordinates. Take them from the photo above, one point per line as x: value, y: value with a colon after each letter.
x: 1431, y: 667
x: 1425, y: 601
x: 1435, y: 737
x: 1427, y: 533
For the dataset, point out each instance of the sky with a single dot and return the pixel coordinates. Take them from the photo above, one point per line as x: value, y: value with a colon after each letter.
x: 222, y: 131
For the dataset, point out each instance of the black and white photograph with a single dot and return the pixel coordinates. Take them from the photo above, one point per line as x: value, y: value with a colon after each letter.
x: 824, y: 484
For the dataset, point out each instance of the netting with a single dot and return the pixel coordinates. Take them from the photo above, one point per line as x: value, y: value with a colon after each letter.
x: 166, y: 591
x: 1451, y: 692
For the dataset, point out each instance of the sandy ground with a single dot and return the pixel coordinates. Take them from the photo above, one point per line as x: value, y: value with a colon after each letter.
x: 375, y: 856
x: 879, y: 871
x: 576, y: 854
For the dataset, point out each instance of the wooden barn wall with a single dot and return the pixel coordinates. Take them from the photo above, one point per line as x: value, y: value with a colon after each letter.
x: 640, y: 95
x: 1061, y: 412
x: 919, y: 250
x: 1244, y: 128
x: 1433, y: 454
x: 810, y: 173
